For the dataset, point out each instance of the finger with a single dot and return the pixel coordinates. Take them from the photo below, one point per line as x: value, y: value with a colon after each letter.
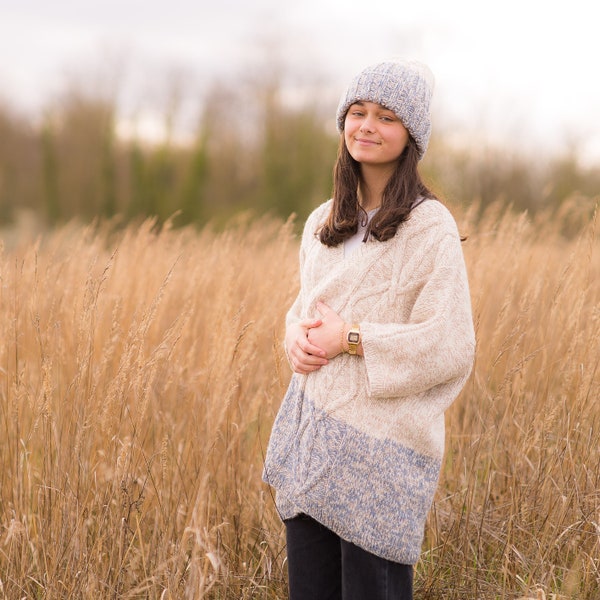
x: 310, y: 349
x: 317, y: 357
x: 312, y: 369
x: 307, y: 370
x: 304, y: 352
x: 311, y: 323
x: 305, y: 367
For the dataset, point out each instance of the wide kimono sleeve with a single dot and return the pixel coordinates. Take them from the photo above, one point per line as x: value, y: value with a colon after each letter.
x: 436, y: 343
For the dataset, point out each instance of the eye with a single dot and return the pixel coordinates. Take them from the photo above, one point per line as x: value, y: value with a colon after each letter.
x: 356, y: 110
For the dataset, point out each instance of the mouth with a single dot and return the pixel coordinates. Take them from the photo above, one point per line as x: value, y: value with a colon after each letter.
x: 366, y: 142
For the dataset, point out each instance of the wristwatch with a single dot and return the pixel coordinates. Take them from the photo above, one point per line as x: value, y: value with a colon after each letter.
x: 353, y: 338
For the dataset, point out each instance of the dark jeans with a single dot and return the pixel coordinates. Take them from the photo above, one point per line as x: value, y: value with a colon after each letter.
x: 322, y: 566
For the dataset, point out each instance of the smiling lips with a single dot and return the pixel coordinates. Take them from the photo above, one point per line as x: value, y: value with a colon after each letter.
x: 366, y: 142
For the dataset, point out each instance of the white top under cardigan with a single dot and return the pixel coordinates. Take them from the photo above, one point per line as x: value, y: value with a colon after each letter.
x: 353, y: 242
x: 358, y: 444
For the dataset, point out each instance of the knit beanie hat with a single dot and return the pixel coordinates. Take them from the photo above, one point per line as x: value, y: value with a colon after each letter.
x: 404, y: 87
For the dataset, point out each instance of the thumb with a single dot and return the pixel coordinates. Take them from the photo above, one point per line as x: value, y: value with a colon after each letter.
x: 310, y: 323
x: 322, y: 308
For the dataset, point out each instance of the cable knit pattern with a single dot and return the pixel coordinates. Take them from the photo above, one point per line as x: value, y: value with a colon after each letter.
x: 358, y: 444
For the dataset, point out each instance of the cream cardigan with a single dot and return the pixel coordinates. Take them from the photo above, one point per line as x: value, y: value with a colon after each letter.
x: 358, y: 444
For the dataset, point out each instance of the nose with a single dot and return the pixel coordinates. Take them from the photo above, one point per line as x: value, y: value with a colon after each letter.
x: 367, y: 125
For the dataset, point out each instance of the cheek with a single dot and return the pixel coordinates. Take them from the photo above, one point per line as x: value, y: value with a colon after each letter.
x: 347, y: 138
x: 402, y: 143
x: 347, y: 133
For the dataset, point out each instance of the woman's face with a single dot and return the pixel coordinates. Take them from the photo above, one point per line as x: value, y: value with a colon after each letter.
x: 373, y: 134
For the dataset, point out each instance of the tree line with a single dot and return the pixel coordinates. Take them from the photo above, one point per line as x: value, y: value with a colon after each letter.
x: 249, y: 150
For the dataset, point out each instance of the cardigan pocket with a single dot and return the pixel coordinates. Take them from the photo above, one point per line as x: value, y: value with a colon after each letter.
x: 318, y: 445
x: 304, y: 446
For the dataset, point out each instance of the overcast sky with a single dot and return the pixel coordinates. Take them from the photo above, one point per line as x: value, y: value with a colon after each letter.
x: 523, y: 71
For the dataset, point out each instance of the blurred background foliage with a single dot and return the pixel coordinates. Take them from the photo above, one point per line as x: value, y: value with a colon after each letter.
x: 251, y: 148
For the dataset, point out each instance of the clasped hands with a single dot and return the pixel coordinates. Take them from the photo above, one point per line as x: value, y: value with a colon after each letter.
x: 311, y: 343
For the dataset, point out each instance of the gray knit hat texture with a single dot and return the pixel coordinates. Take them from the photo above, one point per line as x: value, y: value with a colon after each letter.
x: 404, y: 87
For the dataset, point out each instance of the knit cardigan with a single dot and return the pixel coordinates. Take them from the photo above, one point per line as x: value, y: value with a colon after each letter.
x: 358, y: 444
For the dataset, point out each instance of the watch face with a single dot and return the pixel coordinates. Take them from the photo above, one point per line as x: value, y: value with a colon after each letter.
x: 353, y: 337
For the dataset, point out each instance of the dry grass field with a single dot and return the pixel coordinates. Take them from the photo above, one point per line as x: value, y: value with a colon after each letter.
x: 140, y: 371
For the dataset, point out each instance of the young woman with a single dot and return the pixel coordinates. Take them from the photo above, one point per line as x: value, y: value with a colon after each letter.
x: 381, y: 341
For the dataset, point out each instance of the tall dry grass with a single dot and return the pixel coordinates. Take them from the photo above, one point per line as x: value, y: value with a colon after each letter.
x: 519, y: 502
x: 141, y: 370
x: 139, y: 374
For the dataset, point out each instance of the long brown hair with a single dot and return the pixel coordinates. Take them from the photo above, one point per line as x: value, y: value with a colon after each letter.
x: 404, y: 187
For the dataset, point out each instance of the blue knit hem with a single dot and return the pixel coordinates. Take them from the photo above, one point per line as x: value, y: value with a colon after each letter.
x: 374, y: 493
